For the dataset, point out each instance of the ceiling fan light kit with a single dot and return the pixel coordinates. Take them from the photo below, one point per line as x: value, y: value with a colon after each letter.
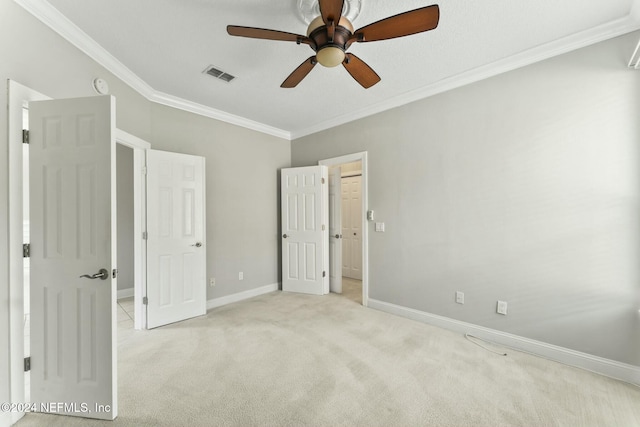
x: 330, y: 53
x: 330, y: 35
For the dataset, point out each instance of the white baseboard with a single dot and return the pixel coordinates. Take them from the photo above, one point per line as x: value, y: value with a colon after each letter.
x: 240, y: 296
x: 600, y: 365
x: 125, y: 293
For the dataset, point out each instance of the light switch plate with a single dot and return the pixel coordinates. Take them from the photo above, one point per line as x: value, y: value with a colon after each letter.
x: 502, y: 307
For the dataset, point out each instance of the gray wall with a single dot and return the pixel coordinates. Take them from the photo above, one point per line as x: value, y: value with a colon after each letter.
x: 124, y: 163
x: 242, y: 165
x: 523, y: 188
x: 242, y: 195
x: 241, y: 189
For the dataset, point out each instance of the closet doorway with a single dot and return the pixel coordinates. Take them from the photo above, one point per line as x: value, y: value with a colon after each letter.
x: 348, y: 241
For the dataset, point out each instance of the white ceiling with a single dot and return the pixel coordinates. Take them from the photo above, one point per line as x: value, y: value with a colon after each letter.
x: 161, y: 47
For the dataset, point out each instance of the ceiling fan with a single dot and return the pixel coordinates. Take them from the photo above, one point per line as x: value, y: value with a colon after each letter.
x: 331, y: 34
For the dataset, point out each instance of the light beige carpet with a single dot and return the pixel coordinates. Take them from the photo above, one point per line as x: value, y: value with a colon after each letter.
x: 294, y: 360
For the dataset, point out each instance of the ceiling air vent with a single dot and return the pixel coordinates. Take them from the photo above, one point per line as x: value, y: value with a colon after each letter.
x: 218, y: 74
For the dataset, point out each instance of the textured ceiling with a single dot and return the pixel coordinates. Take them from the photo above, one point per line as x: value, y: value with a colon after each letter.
x: 168, y: 43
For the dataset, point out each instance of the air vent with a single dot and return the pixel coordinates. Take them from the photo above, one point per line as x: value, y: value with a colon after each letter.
x: 218, y: 74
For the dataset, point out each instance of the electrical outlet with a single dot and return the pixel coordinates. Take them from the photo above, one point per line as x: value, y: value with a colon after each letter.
x: 502, y: 307
x: 212, y: 281
x: 460, y: 297
x: 241, y: 276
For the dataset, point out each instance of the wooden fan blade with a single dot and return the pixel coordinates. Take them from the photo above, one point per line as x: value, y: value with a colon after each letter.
x: 404, y: 24
x: 360, y: 71
x: 300, y: 73
x: 331, y: 10
x: 262, y: 33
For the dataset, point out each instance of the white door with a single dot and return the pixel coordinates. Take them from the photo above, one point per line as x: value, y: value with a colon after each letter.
x: 176, y: 253
x: 73, y: 234
x: 305, y: 252
x: 335, y: 229
x: 352, y: 227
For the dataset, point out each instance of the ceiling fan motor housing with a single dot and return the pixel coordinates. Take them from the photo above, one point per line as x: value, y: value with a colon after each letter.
x: 330, y: 41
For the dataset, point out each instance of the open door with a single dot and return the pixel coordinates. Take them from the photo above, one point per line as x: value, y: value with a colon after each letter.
x: 305, y: 252
x: 335, y: 229
x: 176, y: 252
x: 73, y: 251
x: 352, y: 227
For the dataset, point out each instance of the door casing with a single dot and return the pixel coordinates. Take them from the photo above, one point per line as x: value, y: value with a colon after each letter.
x: 350, y: 158
x: 140, y: 148
x: 19, y: 97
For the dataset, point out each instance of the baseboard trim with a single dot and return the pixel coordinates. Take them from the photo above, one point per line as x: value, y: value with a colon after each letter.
x: 241, y: 296
x: 599, y: 365
x: 126, y: 293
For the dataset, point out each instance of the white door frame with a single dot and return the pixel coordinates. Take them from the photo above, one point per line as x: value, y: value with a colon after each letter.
x: 19, y: 97
x: 140, y: 148
x: 350, y: 158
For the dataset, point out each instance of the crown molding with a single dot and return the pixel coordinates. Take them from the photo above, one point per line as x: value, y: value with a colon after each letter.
x: 531, y: 56
x: 68, y: 30
x: 203, y: 110
x: 59, y: 23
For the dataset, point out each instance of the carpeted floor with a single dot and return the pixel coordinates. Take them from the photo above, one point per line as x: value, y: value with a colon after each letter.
x: 294, y: 360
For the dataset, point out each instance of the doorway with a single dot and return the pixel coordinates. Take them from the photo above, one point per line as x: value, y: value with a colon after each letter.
x: 353, y: 255
x: 351, y: 229
x: 126, y: 242
x: 19, y: 271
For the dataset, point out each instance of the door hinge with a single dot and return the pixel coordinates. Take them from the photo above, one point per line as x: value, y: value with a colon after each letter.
x: 322, y: 227
x: 144, y: 170
x: 25, y: 136
x: 27, y: 364
x: 144, y: 235
x: 323, y: 180
x: 324, y: 274
x: 145, y: 301
x: 26, y: 250
x: 114, y: 273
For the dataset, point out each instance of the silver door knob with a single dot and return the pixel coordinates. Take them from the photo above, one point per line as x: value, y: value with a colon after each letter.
x: 102, y: 274
x: 198, y: 245
x: 337, y: 236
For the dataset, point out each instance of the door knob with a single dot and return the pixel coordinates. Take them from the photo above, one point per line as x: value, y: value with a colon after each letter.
x: 337, y: 236
x: 354, y: 234
x: 102, y: 274
x: 198, y: 245
x: 284, y: 236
